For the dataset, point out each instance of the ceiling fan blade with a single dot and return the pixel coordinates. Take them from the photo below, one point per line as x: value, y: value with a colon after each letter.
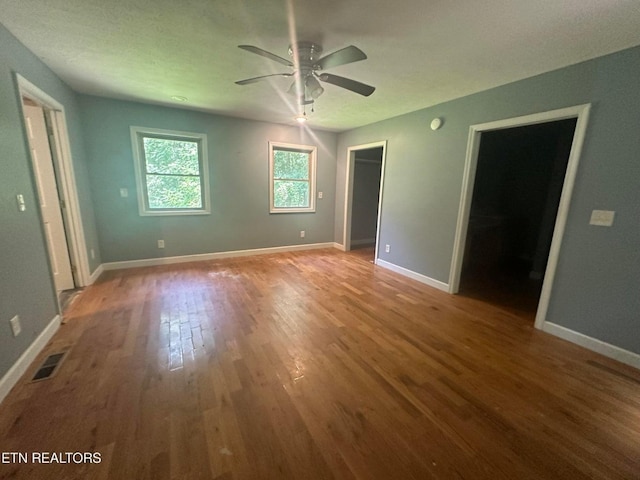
x: 347, y: 83
x: 341, y: 57
x: 257, y: 79
x: 264, y: 53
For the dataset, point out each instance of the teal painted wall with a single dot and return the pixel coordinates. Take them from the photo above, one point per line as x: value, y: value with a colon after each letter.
x: 597, y: 286
x: 238, y: 168
x: 26, y: 287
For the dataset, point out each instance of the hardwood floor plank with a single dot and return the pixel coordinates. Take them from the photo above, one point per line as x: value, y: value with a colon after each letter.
x: 315, y: 365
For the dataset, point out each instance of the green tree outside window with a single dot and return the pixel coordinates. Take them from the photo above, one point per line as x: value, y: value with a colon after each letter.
x: 292, y: 178
x: 172, y: 173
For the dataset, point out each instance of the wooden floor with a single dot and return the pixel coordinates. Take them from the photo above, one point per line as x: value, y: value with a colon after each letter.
x: 315, y: 365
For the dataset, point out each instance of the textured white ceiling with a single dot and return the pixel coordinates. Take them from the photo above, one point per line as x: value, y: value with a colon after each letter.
x: 421, y: 52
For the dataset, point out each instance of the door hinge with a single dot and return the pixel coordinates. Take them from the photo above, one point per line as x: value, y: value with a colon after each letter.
x: 74, y: 269
x: 63, y: 204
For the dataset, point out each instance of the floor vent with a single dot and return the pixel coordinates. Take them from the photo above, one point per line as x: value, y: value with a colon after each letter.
x: 49, y: 366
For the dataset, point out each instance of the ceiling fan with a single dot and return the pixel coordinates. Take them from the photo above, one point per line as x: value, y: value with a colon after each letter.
x: 308, y: 70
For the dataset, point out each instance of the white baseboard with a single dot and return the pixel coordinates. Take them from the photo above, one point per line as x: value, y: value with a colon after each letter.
x: 339, y: 246
x: 152, y: 262
x: 416, y: 276
x: 29, y: 355
x: 96, y: 274
x: 364, y: 241
x: 606, y: 349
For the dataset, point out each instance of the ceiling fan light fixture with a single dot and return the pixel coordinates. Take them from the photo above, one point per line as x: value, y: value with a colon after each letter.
x: 313, y: 87
x: 302, y: 118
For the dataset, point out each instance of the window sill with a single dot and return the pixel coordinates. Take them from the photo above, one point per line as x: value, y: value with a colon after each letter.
x: 292, y: 210
x: 173, y: 213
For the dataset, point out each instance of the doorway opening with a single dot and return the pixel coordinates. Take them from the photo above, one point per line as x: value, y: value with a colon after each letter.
x: 514, y: 208
x: 46, y: 132
x: 365, y: 167
x: 519, y: 177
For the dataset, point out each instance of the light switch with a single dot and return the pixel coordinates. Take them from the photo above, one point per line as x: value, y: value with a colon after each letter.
x: 603, y: 218
x: 124, y: 192
x: 16, y: 328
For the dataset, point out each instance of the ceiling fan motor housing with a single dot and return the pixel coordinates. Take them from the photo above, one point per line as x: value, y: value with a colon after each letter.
x: 307, y: 53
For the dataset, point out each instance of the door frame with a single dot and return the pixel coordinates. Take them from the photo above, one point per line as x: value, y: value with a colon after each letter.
x: 63, y: 165
x: 348, y: 197
x: 581, y: 114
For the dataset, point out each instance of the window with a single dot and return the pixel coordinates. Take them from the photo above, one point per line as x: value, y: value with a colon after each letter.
x: 292, y: 178
x: 171, y: 172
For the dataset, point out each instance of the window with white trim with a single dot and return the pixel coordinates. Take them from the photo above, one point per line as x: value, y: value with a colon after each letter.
x: 292, y: 178
x: 171, y: 171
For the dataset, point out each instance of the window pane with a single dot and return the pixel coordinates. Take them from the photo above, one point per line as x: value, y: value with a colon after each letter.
x: 290, y: 194
x: 174, y: 191
x: 179, y: 157
x: 290, y: 165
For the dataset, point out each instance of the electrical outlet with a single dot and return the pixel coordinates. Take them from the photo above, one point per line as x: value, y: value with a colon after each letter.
x: 320, y: 195
x: 21, y: 205
x: 16, y: 328
x: 124, y: 193
x: 387, y: 248
x: 160, y: 243
x: 302, y: 233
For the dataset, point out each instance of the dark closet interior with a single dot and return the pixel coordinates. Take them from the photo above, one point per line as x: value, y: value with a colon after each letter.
x: 519, y: 179
x: 367, y: 171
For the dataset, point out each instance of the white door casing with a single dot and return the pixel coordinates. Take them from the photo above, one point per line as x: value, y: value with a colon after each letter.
x: 581, y: 114
x: 348, y: 192
x: 48, y: 196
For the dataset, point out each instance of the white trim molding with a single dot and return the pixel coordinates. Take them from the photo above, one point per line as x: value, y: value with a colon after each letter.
x: 414, y: 275
x: 96, y: 274
x: 63, y: 161
x: 579, y: 112
x: 348, y: 191
x: 152, y: 262
x: 604, y: 348
x: 18, y: 369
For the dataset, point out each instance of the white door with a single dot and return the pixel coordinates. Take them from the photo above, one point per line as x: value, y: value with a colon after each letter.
x: 49, y: 200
